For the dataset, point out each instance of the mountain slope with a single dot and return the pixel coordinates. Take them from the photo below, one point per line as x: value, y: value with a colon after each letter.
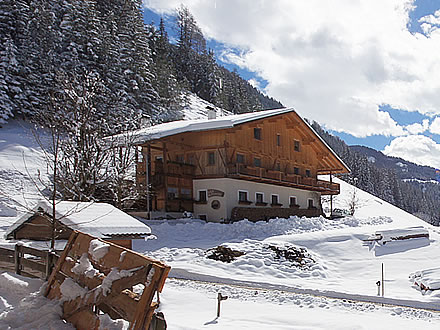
x: 403, y: 168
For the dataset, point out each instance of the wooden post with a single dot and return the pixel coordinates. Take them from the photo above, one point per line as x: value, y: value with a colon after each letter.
x: 48, y: 264
x: 383, y: 282
x: 331, y: 195
x: 165, y: 175
x: 147, y: 159
x: 17, y: 256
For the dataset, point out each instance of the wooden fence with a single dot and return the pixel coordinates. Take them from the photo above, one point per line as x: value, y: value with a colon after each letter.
x: 28, y: 261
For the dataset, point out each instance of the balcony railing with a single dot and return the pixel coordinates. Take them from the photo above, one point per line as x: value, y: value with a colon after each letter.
x: 259, y: 174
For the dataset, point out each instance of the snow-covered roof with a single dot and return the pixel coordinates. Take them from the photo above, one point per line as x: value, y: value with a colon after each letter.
x: 180, y: 126
x: 97, y: 219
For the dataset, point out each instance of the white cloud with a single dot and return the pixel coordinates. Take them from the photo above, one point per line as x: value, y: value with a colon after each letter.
x: 435, y: 126
x: 418, y: 128
x: 255, y: 83
x: 418, y: 149
x: 334, y: 61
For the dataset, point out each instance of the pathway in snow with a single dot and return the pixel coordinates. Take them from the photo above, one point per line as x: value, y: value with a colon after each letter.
x: 192, y: 305
x: 195, y: 279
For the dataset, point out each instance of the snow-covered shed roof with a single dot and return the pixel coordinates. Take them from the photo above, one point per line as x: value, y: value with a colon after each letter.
x: 101, y: 220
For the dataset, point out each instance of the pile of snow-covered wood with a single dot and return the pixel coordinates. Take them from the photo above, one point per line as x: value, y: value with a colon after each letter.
x: 428, y: 279
x: 385, y: 236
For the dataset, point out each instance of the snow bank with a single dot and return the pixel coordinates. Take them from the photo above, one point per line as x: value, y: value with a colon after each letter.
x: 208, y: 234
x: 23, y: 307
x: 428, y: 279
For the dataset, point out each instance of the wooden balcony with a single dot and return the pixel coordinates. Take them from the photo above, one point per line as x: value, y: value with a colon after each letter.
x: 240, y: 171
x: 263, y: 175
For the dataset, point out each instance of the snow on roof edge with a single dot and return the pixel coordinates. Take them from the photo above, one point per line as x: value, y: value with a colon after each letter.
x: 101, y: 232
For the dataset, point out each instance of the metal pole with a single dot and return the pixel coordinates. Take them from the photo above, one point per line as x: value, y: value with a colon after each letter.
x: 383, y: 283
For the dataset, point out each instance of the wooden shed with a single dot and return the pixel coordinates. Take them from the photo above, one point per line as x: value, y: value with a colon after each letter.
x: 101, y: 220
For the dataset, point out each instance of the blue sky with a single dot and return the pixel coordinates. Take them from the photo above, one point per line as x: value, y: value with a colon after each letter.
x: 366, y: 70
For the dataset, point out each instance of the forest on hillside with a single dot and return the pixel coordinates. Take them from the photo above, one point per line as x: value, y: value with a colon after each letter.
x: 418, y: 197
x: 48, y: 47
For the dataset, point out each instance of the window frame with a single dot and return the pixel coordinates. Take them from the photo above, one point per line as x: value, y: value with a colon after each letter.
x: 206, y: 196
x: 290, y: 201
x: 277, y: 200
x: 257, y: 202
x: 259, y: 161
x: 247, y: 195
x: 210, y: 161
x: 242, y: 156
x: 257, y: 133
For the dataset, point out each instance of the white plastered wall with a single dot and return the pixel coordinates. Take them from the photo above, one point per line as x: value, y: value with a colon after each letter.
x: 230, y: 187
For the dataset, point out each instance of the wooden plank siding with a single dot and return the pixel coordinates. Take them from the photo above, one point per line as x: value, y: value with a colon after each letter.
x: 286, y: 153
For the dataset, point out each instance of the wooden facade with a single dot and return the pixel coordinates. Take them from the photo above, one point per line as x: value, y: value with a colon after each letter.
x: 281, y: 150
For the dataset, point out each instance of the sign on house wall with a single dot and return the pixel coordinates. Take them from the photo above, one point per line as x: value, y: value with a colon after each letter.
x: 215, y: 193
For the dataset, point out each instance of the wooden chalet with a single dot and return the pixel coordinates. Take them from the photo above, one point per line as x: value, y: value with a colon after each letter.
x: 255, y: 165
x: 100, y: 220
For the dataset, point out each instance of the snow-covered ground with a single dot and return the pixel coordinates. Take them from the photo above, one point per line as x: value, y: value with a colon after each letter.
x: 265, y: 292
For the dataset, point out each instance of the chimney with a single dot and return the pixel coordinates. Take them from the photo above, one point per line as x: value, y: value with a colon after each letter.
x: 145, y: 121
x: 211, y: 112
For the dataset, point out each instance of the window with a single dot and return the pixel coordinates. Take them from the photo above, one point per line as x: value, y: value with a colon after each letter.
x: 185, y: 193
x: 240, y: 159
x: 211, y: 158
x: 296, y: 146
x: 308, y: 174
x: 310, y: 203
x: 257, y: 133
x: 191, y: 159
x: 277, y: 166
x: 172, y: 193
x: 259, y: 198
x: 203, y: 196
x: 242, y: 196
x: 292, y: 201
x: 275, y: 200
x: 296, y: 170
x: 278, y: 140
x: 180, y: 159
x: 203, y: 217
x: 257, y: 162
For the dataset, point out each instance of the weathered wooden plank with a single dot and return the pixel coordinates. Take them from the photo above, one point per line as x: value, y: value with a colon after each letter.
x: 84, y: 320
x: 124, y: 304
x: 6, y: 252
x: 34, y: 252
x: 97, y: 295
x: 35, y: 265
x: 60, y: 261
x: 7, y: 258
